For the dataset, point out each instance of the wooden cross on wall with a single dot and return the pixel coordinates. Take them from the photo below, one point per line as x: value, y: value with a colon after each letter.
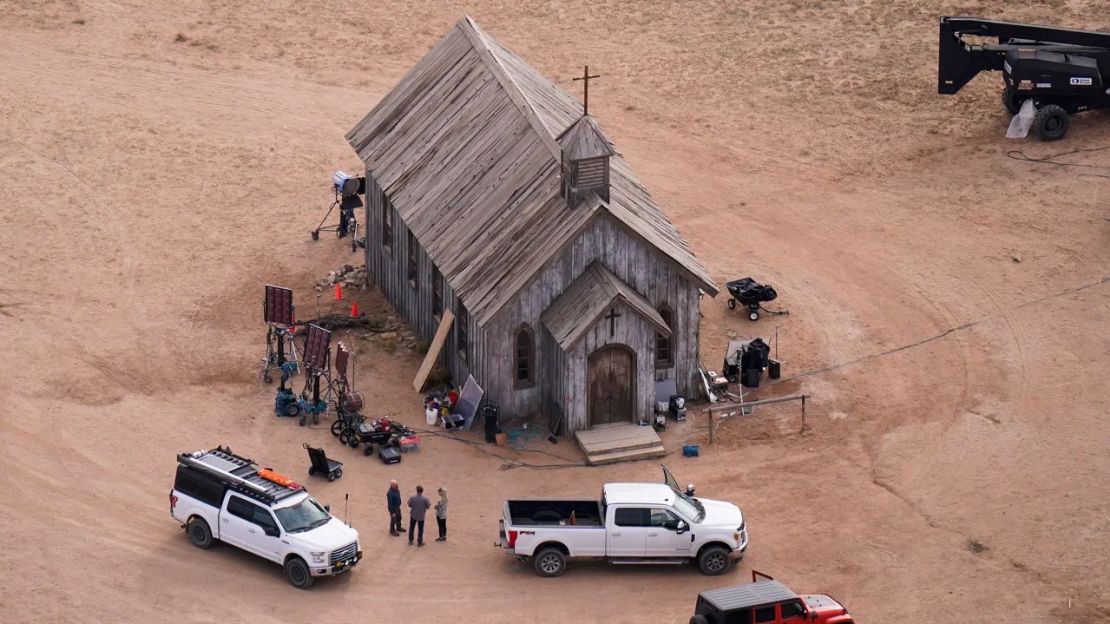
x: 585, y: 78
x: 612, y: 316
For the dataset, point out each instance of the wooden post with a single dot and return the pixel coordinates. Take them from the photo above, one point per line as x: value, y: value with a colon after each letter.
x: 803, y: 414
x: 712, y: 425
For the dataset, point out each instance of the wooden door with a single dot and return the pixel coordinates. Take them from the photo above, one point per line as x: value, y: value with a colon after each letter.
x: 611, y: 385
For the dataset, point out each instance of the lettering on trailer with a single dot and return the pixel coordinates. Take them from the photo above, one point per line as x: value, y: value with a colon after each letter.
x: 1025, y: 85
x: 1081, y: 81
x: 1044, y: 85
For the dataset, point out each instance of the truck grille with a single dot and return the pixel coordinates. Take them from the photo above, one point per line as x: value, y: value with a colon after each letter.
x: 342, y: 554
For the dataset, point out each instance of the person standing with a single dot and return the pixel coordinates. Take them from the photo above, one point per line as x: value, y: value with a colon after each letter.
x: 418, y: 509
x: 441, y: 514
x: 393, y: 503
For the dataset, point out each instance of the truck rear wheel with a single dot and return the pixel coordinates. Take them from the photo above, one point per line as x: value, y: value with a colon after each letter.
x: 1051, y: 122
x: 550, y: 562
x: 1011, y: 100
x: 713, y: 560
x: 699, y: 619
x: 199, y: 533
x: 296, y: 570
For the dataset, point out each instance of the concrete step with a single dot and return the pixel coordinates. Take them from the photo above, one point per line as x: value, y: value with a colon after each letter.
x: 623, y: 455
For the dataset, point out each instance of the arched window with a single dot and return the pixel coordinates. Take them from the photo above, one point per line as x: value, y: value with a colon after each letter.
x: 664, y: 345
x: 524, y: 367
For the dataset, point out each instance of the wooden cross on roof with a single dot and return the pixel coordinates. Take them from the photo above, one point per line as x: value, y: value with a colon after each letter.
x: 585, y: 78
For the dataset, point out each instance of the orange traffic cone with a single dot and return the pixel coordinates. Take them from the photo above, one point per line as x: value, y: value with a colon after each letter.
x: 339, y: 292
x: 354, y: 309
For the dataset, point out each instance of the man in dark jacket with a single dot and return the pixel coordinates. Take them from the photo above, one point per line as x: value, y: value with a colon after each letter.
x: 393, y: 502
x: 418, y: 508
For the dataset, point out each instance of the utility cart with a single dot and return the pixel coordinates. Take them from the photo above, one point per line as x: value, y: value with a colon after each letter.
x: 321, y: 465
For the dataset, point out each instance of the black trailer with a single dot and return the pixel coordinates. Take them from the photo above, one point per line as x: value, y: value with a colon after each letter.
x: 1063, y: 71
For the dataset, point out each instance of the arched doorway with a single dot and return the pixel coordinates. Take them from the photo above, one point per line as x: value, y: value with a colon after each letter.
x: 612, y: 385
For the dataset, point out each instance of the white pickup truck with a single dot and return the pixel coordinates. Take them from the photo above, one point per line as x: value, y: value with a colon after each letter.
x: 220, y: 496
x: 631, y: 523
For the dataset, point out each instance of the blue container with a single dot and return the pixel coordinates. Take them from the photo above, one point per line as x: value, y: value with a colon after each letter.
x: 690, y: 450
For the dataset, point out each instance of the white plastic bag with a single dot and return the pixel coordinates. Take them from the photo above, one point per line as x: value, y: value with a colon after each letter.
x: 1022, y: 122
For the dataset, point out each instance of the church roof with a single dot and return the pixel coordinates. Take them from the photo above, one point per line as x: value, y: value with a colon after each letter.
x: 586, y: 300
x: 465, y: 148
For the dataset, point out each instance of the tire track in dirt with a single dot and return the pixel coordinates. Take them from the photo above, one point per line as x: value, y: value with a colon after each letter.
x: 1017, y: 335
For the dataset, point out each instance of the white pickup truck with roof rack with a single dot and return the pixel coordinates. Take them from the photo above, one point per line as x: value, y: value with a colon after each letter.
x: 221, y: 496
x: 646, y: 523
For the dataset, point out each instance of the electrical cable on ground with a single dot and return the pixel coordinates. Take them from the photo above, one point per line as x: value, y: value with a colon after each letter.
x: 1050, y: 160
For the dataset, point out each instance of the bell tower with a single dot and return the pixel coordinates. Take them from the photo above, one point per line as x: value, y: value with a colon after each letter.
x: 585, y: 161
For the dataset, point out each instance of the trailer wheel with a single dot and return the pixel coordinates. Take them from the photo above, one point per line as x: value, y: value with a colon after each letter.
x: 753, y: 315
x: 731, y: 304
x: 336, y: 427
x: 1051, y: 122
x: 315, y: 234
x: 1011, y: 100
x: 199, y: 533
x: 713, y: 560
x: 549, y: 562
x: 296, y: 570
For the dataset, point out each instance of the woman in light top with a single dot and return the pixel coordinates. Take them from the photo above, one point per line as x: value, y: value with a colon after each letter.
x: 441, y: 514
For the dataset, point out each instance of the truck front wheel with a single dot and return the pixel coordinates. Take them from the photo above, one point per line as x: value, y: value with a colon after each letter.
x: 199, y: 533
x: 713, y: 560
x: 550, y: 562
x: 1051, y: 122
x: 296, y: 570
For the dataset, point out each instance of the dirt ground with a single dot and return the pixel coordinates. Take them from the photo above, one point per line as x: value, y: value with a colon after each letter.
x: 949, y: 307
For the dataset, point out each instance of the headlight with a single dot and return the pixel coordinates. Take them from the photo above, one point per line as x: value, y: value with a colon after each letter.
x: 318, y: 557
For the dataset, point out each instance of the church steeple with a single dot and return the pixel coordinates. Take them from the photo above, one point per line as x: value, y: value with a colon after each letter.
x: 585, y: 161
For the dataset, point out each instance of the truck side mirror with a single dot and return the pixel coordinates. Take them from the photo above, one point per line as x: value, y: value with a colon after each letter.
x: 681, y: 527
x: 271, y: 531
x: 327, y: 508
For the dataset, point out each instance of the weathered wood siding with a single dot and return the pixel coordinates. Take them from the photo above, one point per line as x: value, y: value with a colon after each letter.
x: 561, y: 377
x: 631, y: 330
x: 388, y: 268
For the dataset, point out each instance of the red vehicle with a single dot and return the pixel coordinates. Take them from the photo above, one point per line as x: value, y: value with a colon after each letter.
x: 766, y: 601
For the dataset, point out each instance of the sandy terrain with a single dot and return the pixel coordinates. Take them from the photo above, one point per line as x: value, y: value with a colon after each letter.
x: 950, y: 311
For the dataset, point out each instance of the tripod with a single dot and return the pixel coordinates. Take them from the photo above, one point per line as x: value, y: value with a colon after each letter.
x: 277, y: 338
x: 348, y: 224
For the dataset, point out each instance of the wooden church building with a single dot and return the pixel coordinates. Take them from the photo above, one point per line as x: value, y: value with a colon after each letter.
x: 490, y: 193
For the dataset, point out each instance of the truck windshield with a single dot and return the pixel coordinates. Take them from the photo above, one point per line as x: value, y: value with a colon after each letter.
x: 304, y: 516
x: 688, y: 507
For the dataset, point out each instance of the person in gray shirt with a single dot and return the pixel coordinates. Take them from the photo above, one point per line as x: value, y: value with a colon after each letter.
x: 418, y: 508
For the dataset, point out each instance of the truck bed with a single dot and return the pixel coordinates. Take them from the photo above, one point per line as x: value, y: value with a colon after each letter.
x: 587, y: 513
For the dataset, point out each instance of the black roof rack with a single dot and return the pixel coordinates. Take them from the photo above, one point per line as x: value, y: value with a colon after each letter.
x: 238, y: 473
